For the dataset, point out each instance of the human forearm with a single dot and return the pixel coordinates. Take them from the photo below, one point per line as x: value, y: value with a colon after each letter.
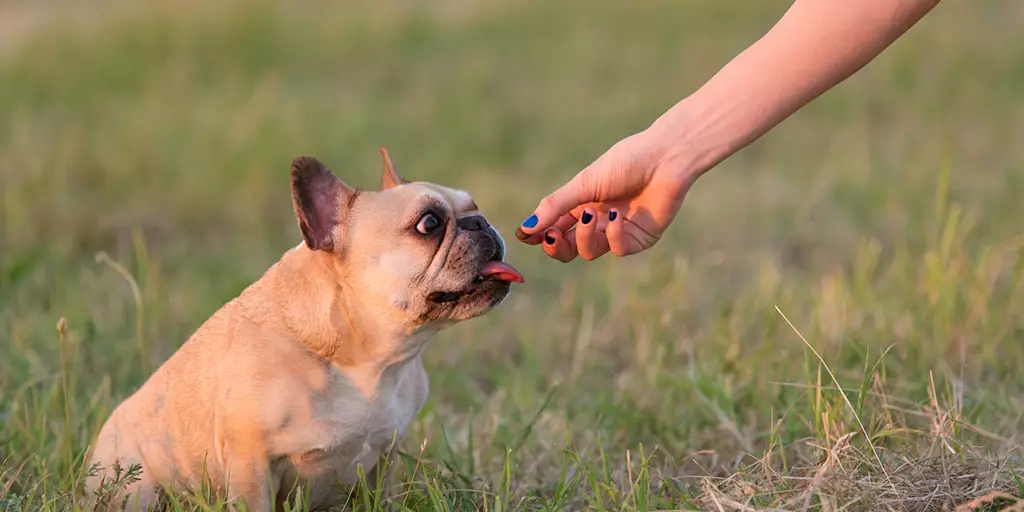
x: 816, y: 45
x: 635, y: 189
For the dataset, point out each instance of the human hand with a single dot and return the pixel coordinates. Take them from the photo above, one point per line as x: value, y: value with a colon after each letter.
x: 622, y: 203
x: 627, y: 198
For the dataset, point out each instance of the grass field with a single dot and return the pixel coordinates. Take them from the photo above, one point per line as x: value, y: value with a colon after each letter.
x: 884, y: 221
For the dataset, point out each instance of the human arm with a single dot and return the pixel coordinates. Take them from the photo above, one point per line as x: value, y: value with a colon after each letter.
x: 643, y: 178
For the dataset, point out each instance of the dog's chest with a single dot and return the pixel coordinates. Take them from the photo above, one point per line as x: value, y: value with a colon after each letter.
x: 354, y: 429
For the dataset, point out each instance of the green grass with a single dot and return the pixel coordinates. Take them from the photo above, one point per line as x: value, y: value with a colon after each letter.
x: 883, y: 221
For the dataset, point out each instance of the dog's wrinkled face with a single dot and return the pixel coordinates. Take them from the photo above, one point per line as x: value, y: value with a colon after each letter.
x: 416, y: 253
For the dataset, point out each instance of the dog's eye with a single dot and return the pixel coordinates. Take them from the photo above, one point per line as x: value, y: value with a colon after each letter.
x: 428, y: 224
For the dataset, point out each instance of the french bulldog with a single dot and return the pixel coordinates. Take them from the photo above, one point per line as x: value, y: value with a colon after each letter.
x: 315, y: 369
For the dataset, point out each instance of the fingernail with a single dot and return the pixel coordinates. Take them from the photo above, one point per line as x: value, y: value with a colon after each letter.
x: 612, y: 214
x: 586, y: 217
x: 548, y: 239
x: 530, y: 222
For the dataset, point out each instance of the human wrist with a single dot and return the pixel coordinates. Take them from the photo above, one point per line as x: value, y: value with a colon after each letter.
x: 684, y: 139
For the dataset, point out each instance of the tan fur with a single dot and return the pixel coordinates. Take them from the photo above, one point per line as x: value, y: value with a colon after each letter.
x: 315, y: 368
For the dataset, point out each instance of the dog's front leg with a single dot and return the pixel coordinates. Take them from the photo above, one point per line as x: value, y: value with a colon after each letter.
x: 249, y: 478
x: 250, y: 482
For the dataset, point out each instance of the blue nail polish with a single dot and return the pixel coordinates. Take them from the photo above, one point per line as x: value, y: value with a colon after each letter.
x: 530, y: 222
x: 612, y: 214
x: 586, y: 217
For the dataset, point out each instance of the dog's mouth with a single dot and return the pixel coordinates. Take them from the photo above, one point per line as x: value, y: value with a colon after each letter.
x: 494, y: 271
x: 497, y: 270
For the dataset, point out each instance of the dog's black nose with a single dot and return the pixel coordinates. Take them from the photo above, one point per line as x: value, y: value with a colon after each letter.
x: 472, y: 223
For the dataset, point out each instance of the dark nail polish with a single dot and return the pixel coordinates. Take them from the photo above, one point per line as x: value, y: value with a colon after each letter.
x: 586, y: 218
x: 612, y: 214
x: 548, y: 239
x: 530, y: 222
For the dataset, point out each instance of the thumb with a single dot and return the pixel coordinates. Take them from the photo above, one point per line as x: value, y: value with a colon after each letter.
x: 578, y: 191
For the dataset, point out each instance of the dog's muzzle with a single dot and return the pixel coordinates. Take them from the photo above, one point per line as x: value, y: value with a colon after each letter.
x: 479, y: 223
x: 491, y: 262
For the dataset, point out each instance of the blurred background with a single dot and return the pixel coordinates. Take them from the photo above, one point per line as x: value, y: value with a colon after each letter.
x: 883, y: 220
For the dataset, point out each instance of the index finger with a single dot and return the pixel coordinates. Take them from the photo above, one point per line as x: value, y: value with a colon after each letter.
x: 560, y: 247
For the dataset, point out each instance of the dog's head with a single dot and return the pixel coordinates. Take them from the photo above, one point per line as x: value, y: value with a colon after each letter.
x: 415, y: 253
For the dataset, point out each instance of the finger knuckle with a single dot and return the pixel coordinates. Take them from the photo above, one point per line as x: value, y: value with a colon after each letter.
x: 548, y: 203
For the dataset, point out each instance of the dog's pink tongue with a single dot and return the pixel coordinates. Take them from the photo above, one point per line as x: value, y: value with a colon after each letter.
x: 502, y: 271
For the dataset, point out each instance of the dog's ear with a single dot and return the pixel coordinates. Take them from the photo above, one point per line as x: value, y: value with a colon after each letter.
x: 319, y: 199
x: 390, y: 177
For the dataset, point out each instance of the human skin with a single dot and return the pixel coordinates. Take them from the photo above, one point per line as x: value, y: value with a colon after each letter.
x: 625, y: 200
